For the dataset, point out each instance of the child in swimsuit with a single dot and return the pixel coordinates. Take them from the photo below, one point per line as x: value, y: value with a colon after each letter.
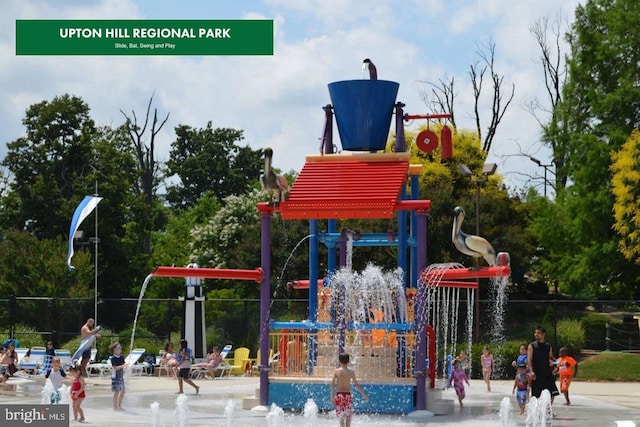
x: 457, y: 379
x: 521, y: 383
x: 77, y: 393
x: 341, y: 390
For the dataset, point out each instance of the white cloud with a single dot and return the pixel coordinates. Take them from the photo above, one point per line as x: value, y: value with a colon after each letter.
x: 277, y: 100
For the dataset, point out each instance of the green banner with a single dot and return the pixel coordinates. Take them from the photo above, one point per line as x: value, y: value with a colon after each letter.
x: 144, y: 37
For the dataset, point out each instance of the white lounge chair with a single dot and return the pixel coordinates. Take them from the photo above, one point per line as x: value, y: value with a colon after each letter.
x: 103, y: 368
x: 30, y: 365
x: 99, y: 368
x: 162, y: 364
x: 38, y: 356
x: 132, y: 361
x: 224, y: 366
x: 199, y: 372
x: 65, y: 357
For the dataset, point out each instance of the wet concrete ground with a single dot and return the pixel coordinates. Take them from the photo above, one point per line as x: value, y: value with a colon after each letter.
x: 592, y: 404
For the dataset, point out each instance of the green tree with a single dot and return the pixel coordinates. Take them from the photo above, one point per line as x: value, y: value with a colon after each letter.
x: 503, y: 219
x: 210, y: 160
x: 62, y: 158
x: 45, y: 164
x: 626, y: 190
x: 600, y: 108
x: 37, y: 267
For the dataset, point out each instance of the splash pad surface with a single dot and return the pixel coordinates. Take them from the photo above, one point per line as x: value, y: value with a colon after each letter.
x: 600, y: 404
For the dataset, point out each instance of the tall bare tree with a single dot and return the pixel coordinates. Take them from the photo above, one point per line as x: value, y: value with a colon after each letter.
x: 145, y: 154
x: 548, y: 36
x: 441, y: 99
x: 477, y: 72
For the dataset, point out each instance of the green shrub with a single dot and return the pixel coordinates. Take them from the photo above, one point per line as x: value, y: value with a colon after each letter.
x: 595, y: 325
x: 143, y: 339
x: 571, y: 334
x: 502, y: 355
x: 27, y: 337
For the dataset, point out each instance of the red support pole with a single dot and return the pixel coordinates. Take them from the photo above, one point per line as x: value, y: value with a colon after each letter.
x: 431, y: 334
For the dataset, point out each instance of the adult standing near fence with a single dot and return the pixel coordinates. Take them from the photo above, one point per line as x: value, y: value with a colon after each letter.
x: 539, y: 362
x: 85, y: 331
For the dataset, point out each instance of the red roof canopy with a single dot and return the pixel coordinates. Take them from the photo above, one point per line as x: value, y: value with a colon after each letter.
x: 337, y: 186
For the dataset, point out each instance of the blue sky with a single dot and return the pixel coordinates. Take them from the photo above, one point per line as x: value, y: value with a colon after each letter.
x: 277, y: 101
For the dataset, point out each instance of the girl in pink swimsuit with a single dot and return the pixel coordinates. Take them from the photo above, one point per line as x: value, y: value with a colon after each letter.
x: 486, y: 360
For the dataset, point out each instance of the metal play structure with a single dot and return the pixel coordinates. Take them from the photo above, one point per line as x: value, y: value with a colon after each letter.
x: 389, y: 346
x: 392, y: 344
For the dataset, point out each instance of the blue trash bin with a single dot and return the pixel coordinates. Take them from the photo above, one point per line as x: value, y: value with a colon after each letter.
x: 363, y: 110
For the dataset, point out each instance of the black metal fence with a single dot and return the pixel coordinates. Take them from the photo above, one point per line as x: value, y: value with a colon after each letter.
x: 609, y: 325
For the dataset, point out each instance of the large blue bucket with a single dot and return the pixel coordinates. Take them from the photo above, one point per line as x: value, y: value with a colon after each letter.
x: 363, y: 110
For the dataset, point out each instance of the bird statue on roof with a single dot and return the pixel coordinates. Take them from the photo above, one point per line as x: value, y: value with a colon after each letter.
x: 373, y: 72
x: 271, y: 182
x: 474, y: 246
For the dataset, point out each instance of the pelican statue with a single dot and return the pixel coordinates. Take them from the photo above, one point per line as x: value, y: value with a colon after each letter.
x: 270, y: 181
x: 373, y: 72
x: 474, y: 246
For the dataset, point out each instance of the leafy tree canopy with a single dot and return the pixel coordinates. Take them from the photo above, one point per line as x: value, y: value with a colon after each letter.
x: 210, y: 160
x: 626, y: 190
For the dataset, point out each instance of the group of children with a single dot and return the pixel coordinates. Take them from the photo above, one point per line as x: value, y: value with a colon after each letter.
x: 566, y: 368
x: 340, y: 390
x: 56, y: 374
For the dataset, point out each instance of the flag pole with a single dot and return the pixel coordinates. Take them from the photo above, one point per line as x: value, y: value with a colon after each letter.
x: 95, y: 264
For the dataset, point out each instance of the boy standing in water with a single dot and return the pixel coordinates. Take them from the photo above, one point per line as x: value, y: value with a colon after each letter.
x: 521, y: 384
x: 118, y: 366
x: 341, y: 390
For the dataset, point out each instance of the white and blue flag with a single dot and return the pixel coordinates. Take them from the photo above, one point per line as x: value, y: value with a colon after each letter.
x: 86, y: 206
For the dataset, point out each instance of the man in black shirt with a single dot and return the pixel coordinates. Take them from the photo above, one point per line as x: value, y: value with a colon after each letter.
x: 539, y: 362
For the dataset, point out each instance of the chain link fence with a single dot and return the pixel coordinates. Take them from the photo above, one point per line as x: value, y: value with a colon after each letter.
x: 609, y: 325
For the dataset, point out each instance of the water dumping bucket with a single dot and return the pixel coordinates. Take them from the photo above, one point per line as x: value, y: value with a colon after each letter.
x: 363, y: 110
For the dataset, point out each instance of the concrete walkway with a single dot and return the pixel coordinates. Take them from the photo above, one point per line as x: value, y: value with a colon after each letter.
x: 219, y: 403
